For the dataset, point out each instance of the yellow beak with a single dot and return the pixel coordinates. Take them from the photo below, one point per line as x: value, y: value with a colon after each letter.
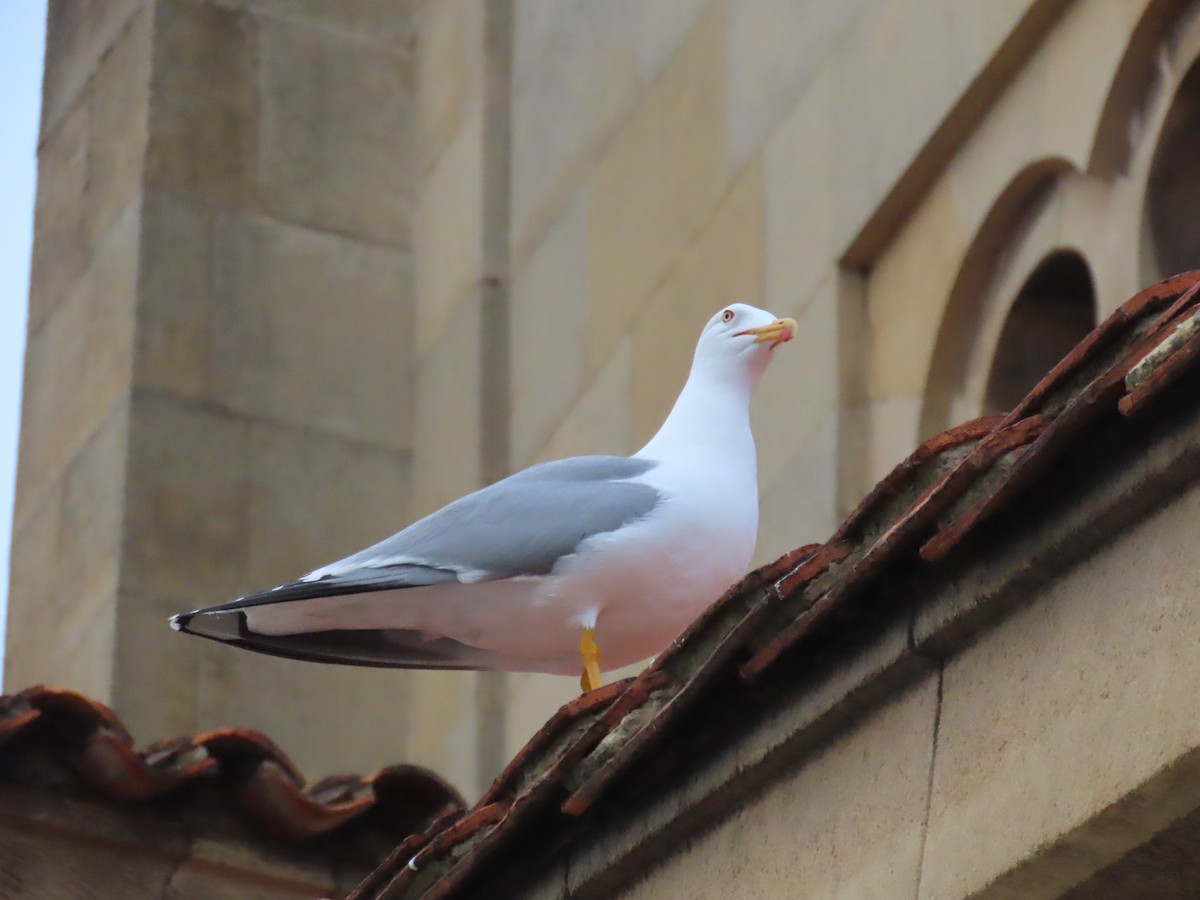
x: 778, y: 332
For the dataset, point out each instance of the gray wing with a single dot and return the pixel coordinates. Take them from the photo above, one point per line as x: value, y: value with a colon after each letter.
x: 521, y: 525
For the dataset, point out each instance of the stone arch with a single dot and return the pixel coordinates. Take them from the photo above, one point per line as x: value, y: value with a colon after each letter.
x: 996, y: 239
x: 1170, y: 226
x: 1053, y: 311
x: 1137, y: 80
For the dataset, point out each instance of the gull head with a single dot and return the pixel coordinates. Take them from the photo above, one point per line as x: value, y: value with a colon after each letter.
x: 739, y: 340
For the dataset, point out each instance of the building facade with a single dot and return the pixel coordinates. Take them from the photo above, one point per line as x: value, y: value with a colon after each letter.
x: 304, y: 271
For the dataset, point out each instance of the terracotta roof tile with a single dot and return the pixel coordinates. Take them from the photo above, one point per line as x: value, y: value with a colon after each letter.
x: 51, y: 728
x: 917, y: 515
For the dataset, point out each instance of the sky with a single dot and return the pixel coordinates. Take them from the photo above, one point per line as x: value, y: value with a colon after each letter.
x: 22, y: 40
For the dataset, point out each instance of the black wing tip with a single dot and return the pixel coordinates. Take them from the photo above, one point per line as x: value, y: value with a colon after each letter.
x: 222, y: 625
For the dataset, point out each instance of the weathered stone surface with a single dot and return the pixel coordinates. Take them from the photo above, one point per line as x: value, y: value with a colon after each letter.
x: 233, y: 856
x: 449, y: 72
x: 335, y: 131
x: 64, y: 569
x: 800, y: 390
x: 329, y: 719
x: 219, y: 883
x: 118, y: 98
x: 799, y: 505
x: 1036, y: 729
x: 78, y: 35
x: 187, y: 502
x: 316, y: 498
x: 859, y: 805
x: 926, y: 257
x: 311, y: 328
x: 890, y: 433
x: 800, y: 196
x: 724, y: 265
x: 46, y: 863
x: 148, y: 655
x: 939, y: 46
x: 449, y: 238
x: 599, y: 422
x: 203, y: 136
x: 549, y: 314
x: 77, y: 365
x: 174, y: 315
x: 774, y: 49
x: 387, y: 22
x: 60, y: 240
x: 447, y: 422
x: 579, y: 69
x: 90, y: 169
x: 657, y: 183
x: 447, y: 741
x: 532, y: 700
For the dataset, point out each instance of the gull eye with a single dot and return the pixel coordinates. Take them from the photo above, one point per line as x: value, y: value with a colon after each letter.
x: 727, y: 316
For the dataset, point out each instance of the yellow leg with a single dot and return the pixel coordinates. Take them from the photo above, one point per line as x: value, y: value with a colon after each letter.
x: 590, y: 652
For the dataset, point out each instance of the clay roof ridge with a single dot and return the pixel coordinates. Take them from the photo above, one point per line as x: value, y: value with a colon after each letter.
x: 263, y: 784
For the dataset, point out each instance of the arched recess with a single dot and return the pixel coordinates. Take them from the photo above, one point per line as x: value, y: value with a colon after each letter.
x: 1001, y: 232
x: 1138, y: 79
x: 1054, y: 310
x: 1171, y: 216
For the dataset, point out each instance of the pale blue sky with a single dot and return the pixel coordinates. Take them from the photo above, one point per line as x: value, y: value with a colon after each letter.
x: 22, y: 39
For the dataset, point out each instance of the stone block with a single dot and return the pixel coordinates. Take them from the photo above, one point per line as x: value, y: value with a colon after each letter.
x: 1065, y: 708
x: 449, y: 235
x: 658, y: 182
x: 312, y: 328
x: 599, y: 422
x: 846, y: 822
x: 187, y: 502
x: 329, y: 719
x: 49, y: 861
x: 922, y: 262
x: 335, y: 131
x: 444, y: 703
x: 775, y: 49
x: 173, y: 335
x: 147, y: 655
x: 532, y: 699
x: 449, y: 72
x: 800, y: 197
x: 64, y: 570
x: 221, y: 883
x: 800, y: 390
x: 723, y: 265
x: 60, y: 240
x: 882, y: 121
x: 1080, y: 61
x: 316, y: 498
x: 447, y: 427
x: 799, y: 505
x: 89, y: 164
x: 118, y: 106
x: 579, y: 69
x: 548, y: 334
x: 203, y: 134
x: 891, y: 434
x: 388, y: 22
x: 78, y: 36
x: 77, y: 364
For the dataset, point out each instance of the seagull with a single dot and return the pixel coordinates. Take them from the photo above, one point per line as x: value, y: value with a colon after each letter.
x: 538, y: 571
